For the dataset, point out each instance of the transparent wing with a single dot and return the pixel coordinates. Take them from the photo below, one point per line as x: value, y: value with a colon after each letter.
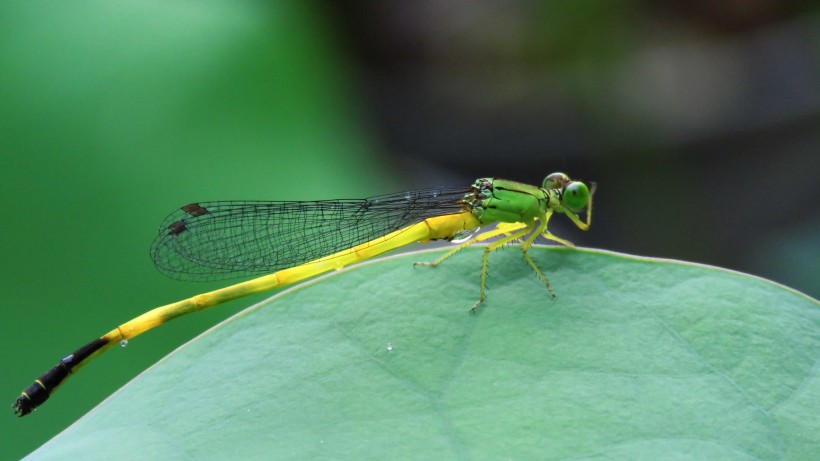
x: 228, y: 239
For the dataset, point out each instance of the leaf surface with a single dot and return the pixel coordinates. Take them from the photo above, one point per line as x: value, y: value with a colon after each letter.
x: 636, y: 359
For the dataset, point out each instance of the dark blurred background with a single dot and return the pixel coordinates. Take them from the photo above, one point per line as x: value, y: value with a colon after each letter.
x: 700, y: 122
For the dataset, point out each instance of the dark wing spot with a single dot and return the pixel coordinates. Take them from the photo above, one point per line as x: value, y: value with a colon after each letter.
x: 195, y: 210
x: 177, y: 228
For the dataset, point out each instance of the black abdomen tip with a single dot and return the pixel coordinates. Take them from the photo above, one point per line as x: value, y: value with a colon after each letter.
x: 25, y: 404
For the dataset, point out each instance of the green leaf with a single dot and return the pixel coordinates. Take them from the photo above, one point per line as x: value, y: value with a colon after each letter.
x: 636, y: 359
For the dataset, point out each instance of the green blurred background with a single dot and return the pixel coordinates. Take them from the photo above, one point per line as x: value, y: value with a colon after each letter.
x: 699, y: 123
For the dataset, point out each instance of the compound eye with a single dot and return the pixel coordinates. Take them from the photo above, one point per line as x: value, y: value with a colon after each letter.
x: 555, y: 181
x: 576, y: 196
